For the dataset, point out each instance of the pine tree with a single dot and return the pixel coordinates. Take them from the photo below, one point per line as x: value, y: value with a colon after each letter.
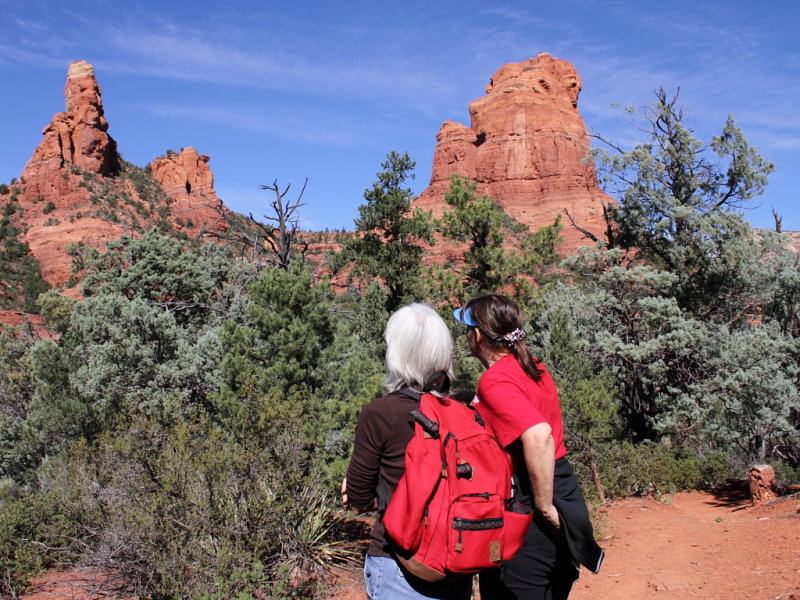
x: 497, y: 251
x: 389, y: 236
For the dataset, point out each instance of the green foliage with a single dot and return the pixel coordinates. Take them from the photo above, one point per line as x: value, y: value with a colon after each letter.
x: 591, y: 416
x: 32, y: 532
x: 180, y: 509
x: 49, y: 207
x: 145, y: 336
x: 16, y: 391
x: 278, y: 344
x: 678, y: 199
x: 130, y: 352
x: 57, y: 414
x: 700, y: 383
x: 57, y: 309
x: 691, y: 313
x: 656, y: 468
x: 499, y: 253
x: 351, y: 374
x: 786, y: 473
x: 197, y: 286
x: 390, y: 237
x: 21, y: 279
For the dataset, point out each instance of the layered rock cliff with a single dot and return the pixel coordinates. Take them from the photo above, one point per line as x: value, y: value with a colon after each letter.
x: 527, y: 147
x: 76, y: 189
x: 187, y: 179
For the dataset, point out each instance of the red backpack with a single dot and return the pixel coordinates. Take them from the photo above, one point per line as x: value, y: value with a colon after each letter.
x: 453, y: 512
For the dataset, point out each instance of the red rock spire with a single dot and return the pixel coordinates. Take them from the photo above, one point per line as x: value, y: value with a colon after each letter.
x: 77, y: 136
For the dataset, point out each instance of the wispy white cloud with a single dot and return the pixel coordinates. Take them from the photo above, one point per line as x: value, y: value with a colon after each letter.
x: 12, y: 54
x: 283, y: 124
x: 344, y: 66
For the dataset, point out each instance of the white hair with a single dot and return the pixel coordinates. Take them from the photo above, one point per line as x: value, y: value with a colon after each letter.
x: 418, y: 344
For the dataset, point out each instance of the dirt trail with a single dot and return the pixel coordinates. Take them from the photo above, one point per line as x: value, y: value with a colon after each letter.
x: 697, y: 546
x: 714, y: 547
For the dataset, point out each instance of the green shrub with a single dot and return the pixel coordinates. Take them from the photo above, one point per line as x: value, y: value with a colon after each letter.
x: 49, y: 207
x: 33, y: 528
x: 657, y: 468
x: 191, y: 513
x: 787, y: 474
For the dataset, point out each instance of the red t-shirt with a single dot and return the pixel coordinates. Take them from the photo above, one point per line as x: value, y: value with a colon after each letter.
x: 511, y: 402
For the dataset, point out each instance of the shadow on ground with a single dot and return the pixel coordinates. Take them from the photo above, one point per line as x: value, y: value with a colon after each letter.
x: 735, y: 495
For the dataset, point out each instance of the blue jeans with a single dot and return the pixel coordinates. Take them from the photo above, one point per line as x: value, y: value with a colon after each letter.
x: 385, y: 580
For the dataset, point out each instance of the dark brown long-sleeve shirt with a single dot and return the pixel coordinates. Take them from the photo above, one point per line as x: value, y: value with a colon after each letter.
x: 379, y: 454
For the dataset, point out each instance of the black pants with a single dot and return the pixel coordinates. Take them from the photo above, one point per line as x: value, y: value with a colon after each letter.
x: 541, y: 570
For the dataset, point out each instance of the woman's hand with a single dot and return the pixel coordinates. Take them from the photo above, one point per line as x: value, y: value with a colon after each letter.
x: 551, y: 516
x: 357, y: 511
x: 345, y: 501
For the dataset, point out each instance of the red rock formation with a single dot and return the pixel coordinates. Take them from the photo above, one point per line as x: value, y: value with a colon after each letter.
x: 77, y: 136
x: 54, y: 189
x: 186, y: 178
x: 763, y: 486
x: 527, y: 148
x: 73, y: 189
x: 26, y: 324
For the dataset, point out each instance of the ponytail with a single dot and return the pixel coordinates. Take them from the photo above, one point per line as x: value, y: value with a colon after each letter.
x: 525, y: 359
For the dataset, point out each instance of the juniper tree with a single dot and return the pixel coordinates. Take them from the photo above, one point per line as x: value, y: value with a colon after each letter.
x: 271, y: 364
x: 679, y: 200
x: 677, y: 308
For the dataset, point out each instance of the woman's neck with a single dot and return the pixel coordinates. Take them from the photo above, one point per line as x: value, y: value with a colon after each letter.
x: 492, y: 357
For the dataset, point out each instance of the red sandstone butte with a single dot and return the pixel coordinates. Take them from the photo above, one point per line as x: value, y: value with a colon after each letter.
x: 527, y: 147
x: 187, y: 179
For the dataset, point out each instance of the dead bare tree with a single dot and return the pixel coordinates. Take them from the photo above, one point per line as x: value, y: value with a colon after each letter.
x: 275, y: 241
x: 778, y: 221
x: 282, y: 236
x: 610, y: 240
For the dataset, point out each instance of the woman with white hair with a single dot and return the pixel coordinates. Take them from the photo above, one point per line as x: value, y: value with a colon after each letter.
x: 418, y: 359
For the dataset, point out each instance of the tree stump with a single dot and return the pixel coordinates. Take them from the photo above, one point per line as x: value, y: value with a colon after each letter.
x: 763, y: 487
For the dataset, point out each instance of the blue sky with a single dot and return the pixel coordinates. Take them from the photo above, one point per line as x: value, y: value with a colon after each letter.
x: 289, y: 90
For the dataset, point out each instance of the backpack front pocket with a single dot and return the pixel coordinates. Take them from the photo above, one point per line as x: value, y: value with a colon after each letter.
x: 475, y: 537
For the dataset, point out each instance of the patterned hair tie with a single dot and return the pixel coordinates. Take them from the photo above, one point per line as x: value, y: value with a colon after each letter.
x: 514, y: 336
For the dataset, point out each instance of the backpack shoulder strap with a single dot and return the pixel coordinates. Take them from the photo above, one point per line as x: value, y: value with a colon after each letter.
x: 409, y: 393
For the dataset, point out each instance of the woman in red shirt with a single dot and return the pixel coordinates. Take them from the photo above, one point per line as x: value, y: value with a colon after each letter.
x: 519, y: 401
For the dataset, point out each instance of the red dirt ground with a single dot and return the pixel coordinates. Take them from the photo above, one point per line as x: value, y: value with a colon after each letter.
x: 697, y: 545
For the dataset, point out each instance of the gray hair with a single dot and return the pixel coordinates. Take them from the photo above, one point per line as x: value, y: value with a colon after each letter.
x: 418, y: 344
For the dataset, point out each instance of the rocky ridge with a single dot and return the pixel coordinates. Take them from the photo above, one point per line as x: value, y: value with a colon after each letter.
x: 527, y: 147
x: 76, y: 189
